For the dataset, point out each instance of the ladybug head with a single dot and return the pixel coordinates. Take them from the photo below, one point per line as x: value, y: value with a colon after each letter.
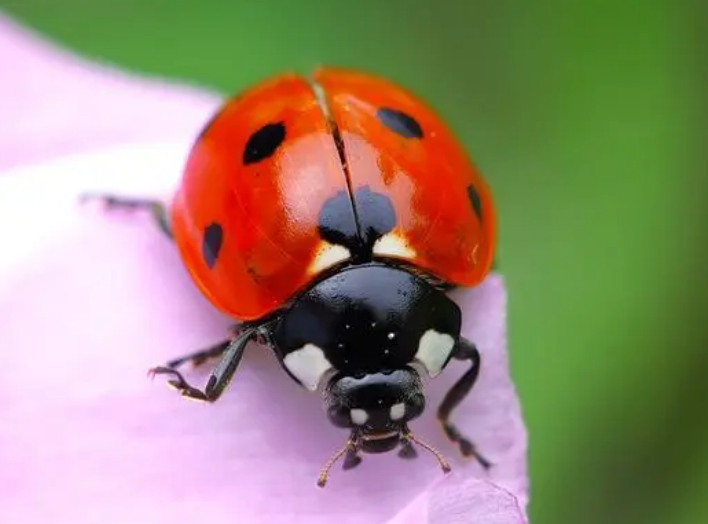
x: 376, y: 407
x: 365, y: 337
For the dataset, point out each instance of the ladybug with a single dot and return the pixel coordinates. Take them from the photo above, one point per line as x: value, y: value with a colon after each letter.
x: 330, y: 216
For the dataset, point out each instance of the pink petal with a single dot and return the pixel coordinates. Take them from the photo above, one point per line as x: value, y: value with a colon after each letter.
x: 101, y: 298
x: 54, y: 103
x: 89, y: 301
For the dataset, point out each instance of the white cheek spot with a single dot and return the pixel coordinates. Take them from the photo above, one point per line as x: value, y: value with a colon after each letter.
x: 327, y: 256
x: 397, y: 411
x: 307, y: 364
x: 433, y: 350
x: 359, y: 416
x: 393, y: 245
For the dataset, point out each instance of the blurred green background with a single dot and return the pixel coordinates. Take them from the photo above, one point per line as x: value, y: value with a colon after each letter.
x: 579, y: 114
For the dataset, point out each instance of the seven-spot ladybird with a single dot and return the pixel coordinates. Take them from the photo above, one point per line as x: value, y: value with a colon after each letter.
x: 330, y: 216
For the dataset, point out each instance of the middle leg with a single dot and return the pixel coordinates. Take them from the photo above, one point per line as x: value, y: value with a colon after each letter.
x: 157, y: 209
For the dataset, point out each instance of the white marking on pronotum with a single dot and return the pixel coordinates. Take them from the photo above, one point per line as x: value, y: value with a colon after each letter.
x: 307, y: 364
x: 433, y: 350
x: 359, y: 416
x: 327, y: 256
x: 393, y: 245
x: 397, y: 411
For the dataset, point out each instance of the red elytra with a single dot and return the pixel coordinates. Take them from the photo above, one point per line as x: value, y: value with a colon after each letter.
x: 248, y: 215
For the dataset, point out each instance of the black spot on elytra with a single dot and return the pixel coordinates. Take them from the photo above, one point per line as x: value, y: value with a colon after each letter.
x: 400, y: 122
x: 212, y: 239
x: 263, y: 143
x: 376, y: 214
x: 357, y: 229
x: 475, y: 201
x: 337, y: 224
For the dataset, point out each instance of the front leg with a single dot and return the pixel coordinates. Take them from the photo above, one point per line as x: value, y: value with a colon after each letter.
x: 219, y: 378
x: 199, y: 357
x: 464, y: 350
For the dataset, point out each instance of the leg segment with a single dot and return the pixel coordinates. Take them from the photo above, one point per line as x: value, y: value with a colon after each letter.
x: 156, y: 208
x: 219, y: 378
x: 464, y: 350
x: 199, y: 357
